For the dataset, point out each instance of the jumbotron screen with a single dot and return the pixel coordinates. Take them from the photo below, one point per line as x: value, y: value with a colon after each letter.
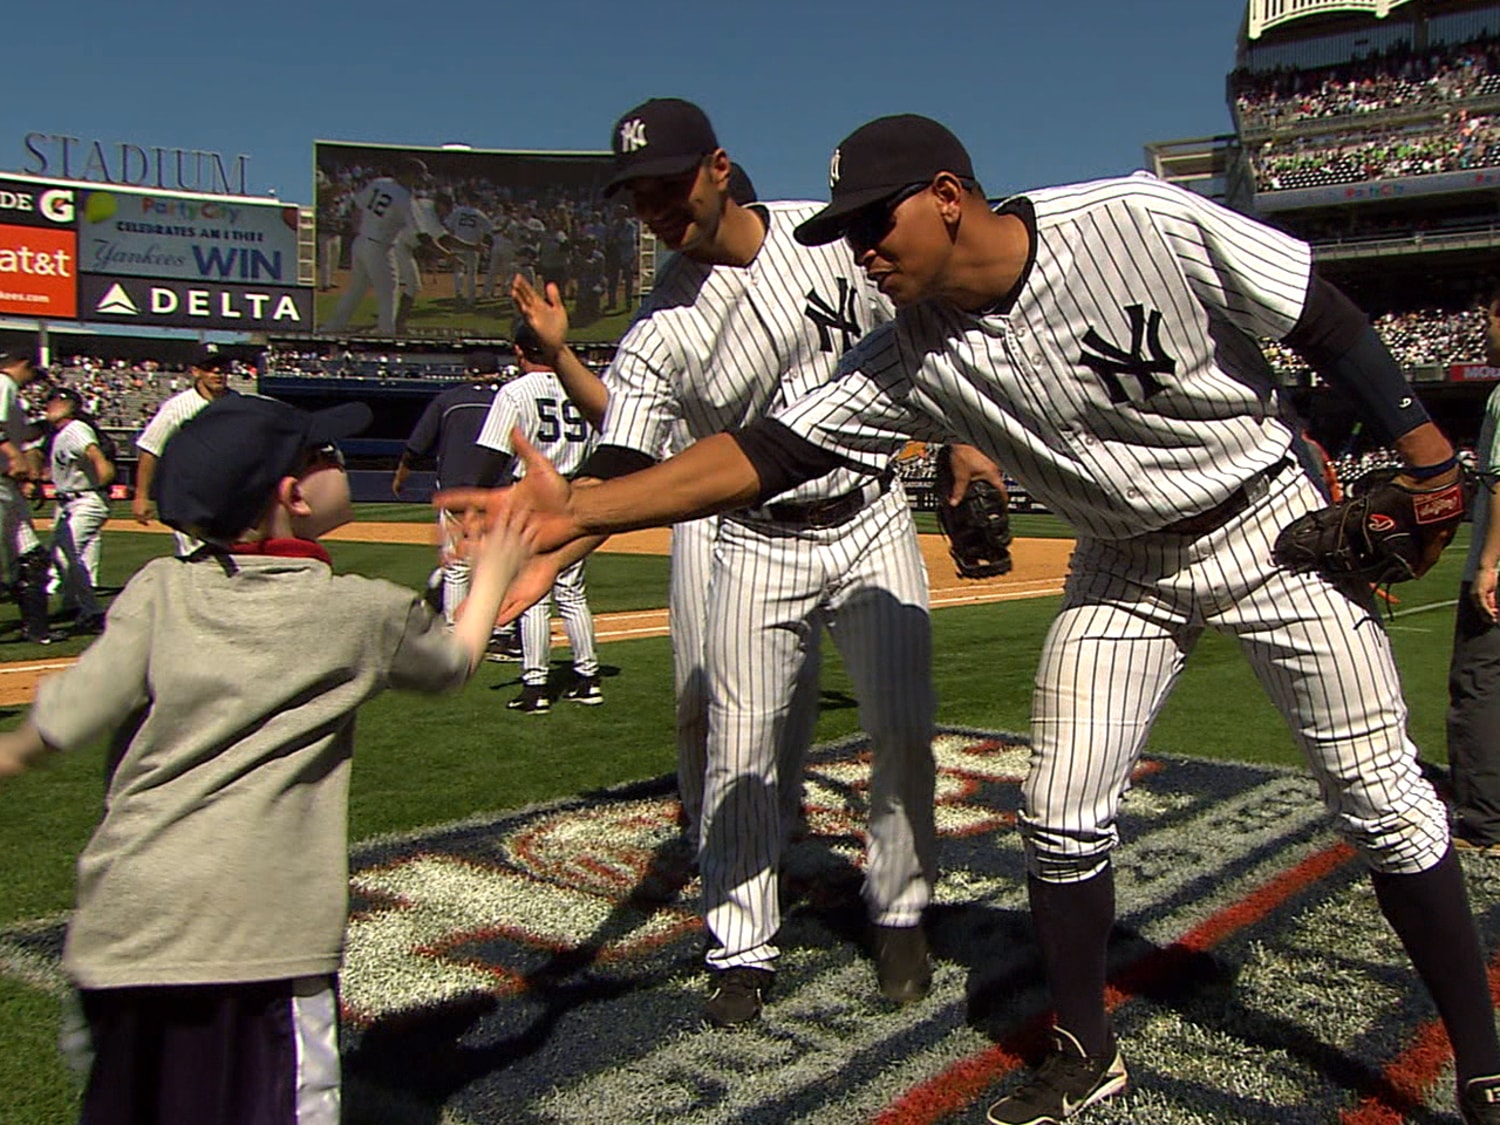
x: 422, y: 243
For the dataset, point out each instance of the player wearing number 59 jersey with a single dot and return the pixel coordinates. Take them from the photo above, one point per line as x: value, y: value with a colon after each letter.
x: 536, y: 404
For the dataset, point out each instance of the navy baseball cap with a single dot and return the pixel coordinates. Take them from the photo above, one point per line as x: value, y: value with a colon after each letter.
x: 220, y: 470
x: 65, y: 394
x: 208, y: 358
x: 661, y: 137
x: 484, y: 363
x: 877, y: 162
x: 9, y: 357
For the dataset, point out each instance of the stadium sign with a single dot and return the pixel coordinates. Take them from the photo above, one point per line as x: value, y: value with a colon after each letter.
x: 175, y: 304
x: 133, y: 165
x: 1473, y: 372
x: 141, y: 234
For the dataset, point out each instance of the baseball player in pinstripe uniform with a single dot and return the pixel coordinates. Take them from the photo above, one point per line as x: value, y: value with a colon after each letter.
x: 1099, y: 341
x: 81, y: 476
x: 449, y: 430
x: 742, y: 320
x: 385, y: 211
x: 536, y: 404
x: 469, y: 227
x: 207, y: 368
x: 24, y: 557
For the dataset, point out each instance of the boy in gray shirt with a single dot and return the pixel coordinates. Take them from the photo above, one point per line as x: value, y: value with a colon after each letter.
x: 212, y: 896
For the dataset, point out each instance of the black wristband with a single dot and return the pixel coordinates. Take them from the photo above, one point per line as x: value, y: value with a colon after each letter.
x: 1427, y: 472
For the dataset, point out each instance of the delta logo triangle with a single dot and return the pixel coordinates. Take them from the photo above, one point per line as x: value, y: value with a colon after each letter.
x: 117, y: 301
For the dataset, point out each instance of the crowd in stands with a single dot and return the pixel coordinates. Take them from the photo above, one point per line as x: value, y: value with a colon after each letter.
x: 122, y: 394
x: 1396, y: 79
x: 342, y: 363
x: 1460, y: 142
x: 1420, y: 338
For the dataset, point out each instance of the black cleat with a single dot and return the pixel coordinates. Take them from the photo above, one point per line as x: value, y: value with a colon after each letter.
x: 585, y: 691
x: 737, y: 995
x: 532, y: 700
x: 1067, y: 1081
x: 902, y: 963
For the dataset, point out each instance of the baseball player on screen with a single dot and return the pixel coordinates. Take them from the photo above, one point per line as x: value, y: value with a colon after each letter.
x: 384, y: 211
x: 469, y: 227
x: 1099, y: 340
x: 742, y: 320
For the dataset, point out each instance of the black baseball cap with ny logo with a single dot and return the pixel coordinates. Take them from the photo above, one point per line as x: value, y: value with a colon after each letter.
x: 661, y: 137
x: 876, y: 163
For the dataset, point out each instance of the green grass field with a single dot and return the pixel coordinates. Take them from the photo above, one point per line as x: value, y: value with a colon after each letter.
x: 422, y: 761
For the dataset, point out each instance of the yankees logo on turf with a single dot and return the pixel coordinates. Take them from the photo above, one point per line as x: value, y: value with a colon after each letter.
x: 1110, y: 361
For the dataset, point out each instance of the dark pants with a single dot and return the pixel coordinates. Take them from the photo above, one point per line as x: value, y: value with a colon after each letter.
x: 1474, y: 723
x: 253, y: 1053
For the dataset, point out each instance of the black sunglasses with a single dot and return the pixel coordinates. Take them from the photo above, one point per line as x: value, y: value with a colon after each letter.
x: 327, y: 455
x: 869, y: 225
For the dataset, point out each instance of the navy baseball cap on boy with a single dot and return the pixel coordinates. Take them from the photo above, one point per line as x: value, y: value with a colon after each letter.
x: 877, y: 162
x: 661, y: 137
x: 219, y: 471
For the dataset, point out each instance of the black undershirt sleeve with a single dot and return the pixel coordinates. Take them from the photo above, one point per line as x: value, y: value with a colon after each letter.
x: 782, y: 459
x: 1339, y: 344
x: 610, y: 461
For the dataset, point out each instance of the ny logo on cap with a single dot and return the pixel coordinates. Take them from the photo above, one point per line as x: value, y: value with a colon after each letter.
x: 833, y: 169
x: 632, y: 135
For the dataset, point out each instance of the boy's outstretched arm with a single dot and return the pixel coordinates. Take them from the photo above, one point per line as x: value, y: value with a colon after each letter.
x: 20, y: 749
x: 503, y: 551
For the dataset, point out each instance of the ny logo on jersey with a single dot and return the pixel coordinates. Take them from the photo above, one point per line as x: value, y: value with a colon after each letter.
x: 632, y: 135
x: 843, y: 317
x: 1110, y: 362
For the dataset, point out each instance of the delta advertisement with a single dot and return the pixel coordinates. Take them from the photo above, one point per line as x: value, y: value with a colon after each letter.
x: 149, y: 258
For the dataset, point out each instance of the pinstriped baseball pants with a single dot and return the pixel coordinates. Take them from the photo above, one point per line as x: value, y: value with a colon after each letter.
x: 774, y: 590
x: 687, y: 615
x: 1132, y: 612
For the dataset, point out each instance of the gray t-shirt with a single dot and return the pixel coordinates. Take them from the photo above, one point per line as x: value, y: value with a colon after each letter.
x: 1487, y: 465
x: 222, y: 854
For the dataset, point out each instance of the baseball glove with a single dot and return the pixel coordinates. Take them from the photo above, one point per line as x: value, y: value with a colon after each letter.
x: 977, y: 527
x: 1390, y: 532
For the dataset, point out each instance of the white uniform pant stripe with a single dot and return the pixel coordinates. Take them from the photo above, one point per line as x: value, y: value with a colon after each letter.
x: 315, y: 1027
x: 17, y: 532
x: 1119, y: 643
x: 774, y: 590
x: 455, y: 570
x: 578, y: 624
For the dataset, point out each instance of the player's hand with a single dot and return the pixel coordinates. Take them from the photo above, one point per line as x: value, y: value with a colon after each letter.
x: 140, y: 507
x: 543, y: 497
x: 1483, y: 593
x: 970, y: 465
x: 545, y: 313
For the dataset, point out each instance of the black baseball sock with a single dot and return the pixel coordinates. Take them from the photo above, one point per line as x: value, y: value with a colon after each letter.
x: 1430, y: 913
x: 1072, y: 922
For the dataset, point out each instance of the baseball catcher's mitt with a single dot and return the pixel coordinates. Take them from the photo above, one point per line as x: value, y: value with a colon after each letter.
x: 1390, y: 532
x: 977, y: 527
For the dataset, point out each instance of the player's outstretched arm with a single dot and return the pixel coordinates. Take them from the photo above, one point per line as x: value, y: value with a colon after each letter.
x: 20, y: 749
x: 504, y: 550
x: 548, y: 316
x: 712, y: 475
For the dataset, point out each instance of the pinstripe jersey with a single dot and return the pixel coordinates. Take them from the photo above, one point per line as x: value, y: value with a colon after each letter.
x: 547, y: 417
x: 715, y: 347
x: 168, y: 419
x: 13, y: 414
x: 1123, y: 386
x: 69, y: 457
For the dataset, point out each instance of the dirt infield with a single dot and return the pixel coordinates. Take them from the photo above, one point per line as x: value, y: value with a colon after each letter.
x: 1041, y: 566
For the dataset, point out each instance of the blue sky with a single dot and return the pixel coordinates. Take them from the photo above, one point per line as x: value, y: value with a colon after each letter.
x: 1042, y: 91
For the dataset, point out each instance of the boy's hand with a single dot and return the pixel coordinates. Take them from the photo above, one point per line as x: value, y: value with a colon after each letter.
x: 20, y: 748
